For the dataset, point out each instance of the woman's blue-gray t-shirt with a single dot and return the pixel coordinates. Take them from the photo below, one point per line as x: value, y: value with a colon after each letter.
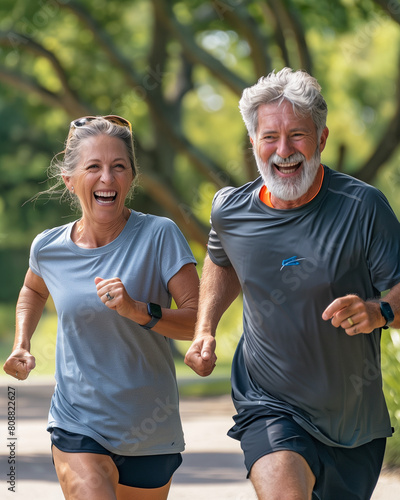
x: 115, y: 381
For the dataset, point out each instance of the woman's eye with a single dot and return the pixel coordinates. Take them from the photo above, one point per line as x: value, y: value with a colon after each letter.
x: 94, y: 166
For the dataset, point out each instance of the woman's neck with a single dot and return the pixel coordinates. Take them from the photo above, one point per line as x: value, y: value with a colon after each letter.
x: 90, y: 234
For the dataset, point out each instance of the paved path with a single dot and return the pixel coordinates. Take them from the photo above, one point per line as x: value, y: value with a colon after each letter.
x: 212, y: 468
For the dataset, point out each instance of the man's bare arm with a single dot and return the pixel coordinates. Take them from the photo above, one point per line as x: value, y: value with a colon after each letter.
x: 219, y: 287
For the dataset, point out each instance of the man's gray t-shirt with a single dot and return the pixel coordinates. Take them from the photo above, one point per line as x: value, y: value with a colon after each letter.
x: 115, y: 381
x: 291, y: 265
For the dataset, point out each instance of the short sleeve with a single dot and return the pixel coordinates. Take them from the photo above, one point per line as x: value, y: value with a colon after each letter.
x: 34, y: 255
x: 215, y: 248
x: 172, y: 249
x: 381, y: 230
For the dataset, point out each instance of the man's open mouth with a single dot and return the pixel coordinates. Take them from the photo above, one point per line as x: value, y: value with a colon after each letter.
x: 287, y: 168
x: 105, y: 196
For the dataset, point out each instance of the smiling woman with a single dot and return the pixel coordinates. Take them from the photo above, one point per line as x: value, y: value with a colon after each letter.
x: 101, y: 182
x: 80, y: 132
x: 112, y: 275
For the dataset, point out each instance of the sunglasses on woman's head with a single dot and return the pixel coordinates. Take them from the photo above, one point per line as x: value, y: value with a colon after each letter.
x: 80, y: 122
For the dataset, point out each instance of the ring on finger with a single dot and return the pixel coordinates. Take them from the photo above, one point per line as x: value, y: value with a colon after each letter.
x: 351, y: 322
x: 109, y: 297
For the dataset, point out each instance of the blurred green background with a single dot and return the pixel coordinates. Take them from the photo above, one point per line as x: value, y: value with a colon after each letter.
x: 176, y: 70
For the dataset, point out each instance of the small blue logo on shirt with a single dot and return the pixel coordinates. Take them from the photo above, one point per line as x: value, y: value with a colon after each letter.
x: 292, y: 261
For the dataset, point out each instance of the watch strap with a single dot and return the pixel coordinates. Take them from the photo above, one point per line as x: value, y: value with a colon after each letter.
x: 154, y: 317
x: 387, y: 313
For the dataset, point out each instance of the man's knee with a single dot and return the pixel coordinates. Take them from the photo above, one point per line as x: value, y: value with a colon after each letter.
x: 283, y: 475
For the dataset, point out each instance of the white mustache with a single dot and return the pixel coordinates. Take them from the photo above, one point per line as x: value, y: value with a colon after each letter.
x: 288, y: 189
x: 294, y: 158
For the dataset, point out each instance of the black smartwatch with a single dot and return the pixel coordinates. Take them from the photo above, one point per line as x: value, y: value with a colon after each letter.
x: 387, y: 313
x: 155, y: 312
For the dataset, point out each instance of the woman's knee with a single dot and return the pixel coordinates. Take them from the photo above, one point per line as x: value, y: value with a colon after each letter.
x: 86, y: 475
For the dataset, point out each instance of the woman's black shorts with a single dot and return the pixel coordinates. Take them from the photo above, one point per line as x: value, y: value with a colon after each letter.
x: 146, y: 471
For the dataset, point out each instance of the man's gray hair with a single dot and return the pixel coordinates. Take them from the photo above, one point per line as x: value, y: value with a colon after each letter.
x: 297, y: 87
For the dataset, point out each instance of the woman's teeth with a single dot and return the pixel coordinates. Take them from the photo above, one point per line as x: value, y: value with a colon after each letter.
x: 105, y: 196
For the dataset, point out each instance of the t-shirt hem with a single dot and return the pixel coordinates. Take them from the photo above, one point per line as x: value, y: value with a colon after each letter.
x: 217, y: 262
x: 113, y: 449
x: 178, y: 266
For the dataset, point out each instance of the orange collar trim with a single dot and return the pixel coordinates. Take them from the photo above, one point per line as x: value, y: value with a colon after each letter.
x: 265, y: 195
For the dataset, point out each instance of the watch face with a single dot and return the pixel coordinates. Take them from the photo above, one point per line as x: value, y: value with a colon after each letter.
x: 387, y: 312
x: 155, y: 310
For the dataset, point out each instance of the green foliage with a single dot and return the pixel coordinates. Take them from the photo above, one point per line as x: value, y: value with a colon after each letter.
x: 157, y: 64
x: 7, y: 322
x: 390, y: 366
x: 44, y: 345
x: 13, y: 266
x: 176, y: 69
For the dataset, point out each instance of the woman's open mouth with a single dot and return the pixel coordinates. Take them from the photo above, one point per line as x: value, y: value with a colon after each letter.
x: 105, y: 197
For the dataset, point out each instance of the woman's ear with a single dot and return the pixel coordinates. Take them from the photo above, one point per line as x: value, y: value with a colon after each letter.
x: 68, y: 183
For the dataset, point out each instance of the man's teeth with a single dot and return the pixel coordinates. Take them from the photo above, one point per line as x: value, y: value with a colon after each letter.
x: 287, y: 171
x: 286, y: 167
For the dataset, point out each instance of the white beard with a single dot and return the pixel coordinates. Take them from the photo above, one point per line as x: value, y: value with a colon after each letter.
x: 291, y: 188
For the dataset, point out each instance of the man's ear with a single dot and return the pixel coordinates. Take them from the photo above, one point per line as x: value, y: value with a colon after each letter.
x: 323, y: 139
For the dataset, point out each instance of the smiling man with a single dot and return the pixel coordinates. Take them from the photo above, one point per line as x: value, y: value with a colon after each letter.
x: 288, y: 153
x: 312, y: 250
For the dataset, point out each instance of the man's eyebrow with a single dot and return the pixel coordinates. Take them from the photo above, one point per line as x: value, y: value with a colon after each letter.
x: 295, y: 129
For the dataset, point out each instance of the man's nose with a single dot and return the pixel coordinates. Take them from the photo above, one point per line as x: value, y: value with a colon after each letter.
x: 284, y: 148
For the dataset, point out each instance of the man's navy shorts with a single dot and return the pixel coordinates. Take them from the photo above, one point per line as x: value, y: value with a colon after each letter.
x: 152, y: 471
x: 341, y: 473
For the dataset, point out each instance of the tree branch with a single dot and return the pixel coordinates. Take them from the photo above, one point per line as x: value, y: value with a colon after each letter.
x: 155, y: 102
x: 387, y: 145
x: 270, y: 12
x: 68, y: 99
x: 244, y: 24
x: 180, y: 212
x: 287, y: 17
x: 195, y: 53
x: 294, y: 19
x: 12, y: 38
x: 105, y: 41
x: 391, y: 7
x: 28, y: 85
